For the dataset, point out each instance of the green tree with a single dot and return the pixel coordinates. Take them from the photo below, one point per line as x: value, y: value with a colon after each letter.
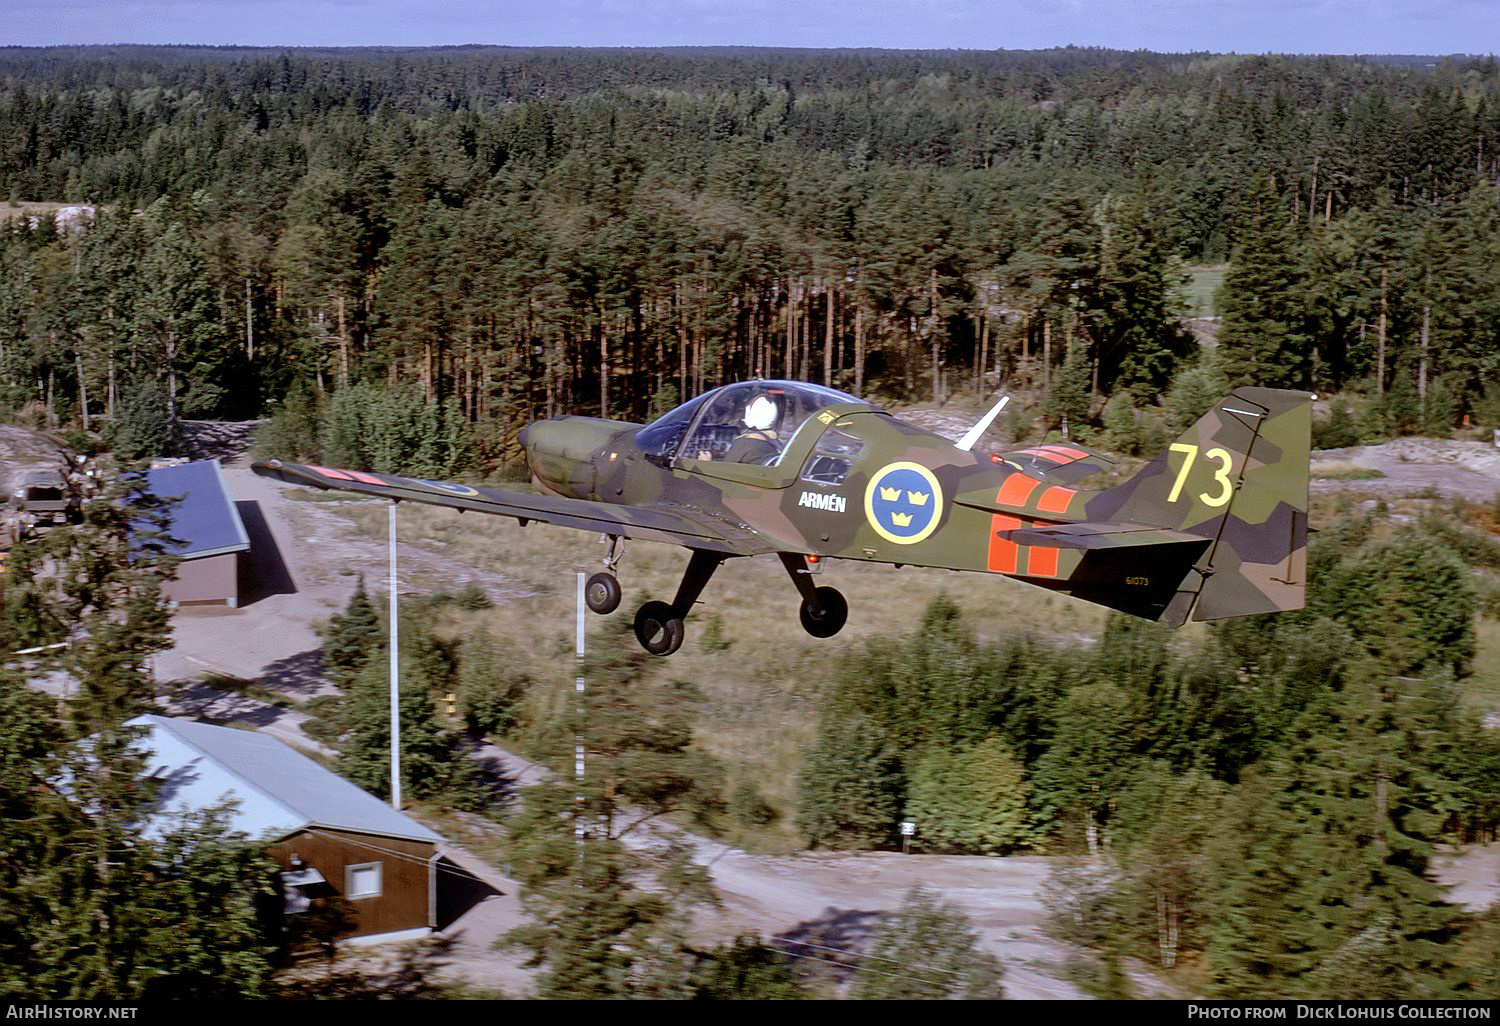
x: 1408, y: 599
x: 1263, y: 337
x: 1089, y: 759
x: 434, y: 762
x: 747, y: 969
x: 927, y: 950
x: 848, y: 791
x: 352, y: 638
x: 974, y: 801
x: 1068, y: 401
x: 488, y: 686
x: 104, y: 898
x: 142, y: 428
x: 1318, y: 877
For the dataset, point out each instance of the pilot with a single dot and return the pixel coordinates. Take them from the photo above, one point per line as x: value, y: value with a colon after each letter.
x: 758, y: 442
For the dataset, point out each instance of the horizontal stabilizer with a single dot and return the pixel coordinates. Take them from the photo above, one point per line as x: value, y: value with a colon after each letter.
x: 1099, y: 536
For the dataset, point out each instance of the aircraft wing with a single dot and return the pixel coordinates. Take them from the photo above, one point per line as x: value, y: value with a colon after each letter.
x: 662, y: 523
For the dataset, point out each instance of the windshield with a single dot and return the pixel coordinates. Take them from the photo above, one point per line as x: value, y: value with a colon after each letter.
x: 748, y: 422
x: 753, y: 422
x: 660, y: 437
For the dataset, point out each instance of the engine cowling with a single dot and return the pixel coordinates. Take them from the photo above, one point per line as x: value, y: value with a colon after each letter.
x: 560, y: 453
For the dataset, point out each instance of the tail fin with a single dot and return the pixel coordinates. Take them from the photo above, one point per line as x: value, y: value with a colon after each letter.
x: 1238, y: 478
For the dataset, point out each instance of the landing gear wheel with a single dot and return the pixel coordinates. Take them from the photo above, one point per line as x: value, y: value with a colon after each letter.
x: 602, y: 593
x: 825, y: 616
x: 658, y: 628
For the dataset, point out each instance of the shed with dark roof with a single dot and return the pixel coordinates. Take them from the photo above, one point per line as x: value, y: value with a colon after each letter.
x: 206, y: 531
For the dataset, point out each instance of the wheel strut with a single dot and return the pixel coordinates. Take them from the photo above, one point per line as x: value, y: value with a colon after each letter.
x: 824, y: 611
x: 658, y: 626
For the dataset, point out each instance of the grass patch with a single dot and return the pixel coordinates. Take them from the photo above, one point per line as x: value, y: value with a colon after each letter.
x: 250, y: 689
x: 1340, y: 470
x: 1203, y: 283
x: 1482, y: 690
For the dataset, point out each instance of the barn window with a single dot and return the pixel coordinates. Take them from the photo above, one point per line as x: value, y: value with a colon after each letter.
x: 363, y: 881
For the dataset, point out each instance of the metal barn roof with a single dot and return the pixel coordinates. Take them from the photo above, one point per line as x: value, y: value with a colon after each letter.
x: 279, y: 790
x: 204, y: 521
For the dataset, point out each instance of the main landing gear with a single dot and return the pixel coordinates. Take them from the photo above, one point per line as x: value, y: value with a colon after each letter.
x: 659, y: 625
x: 824, y: 611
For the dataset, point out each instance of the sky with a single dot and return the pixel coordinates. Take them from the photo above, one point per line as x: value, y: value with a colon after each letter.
x: 1240, y: 26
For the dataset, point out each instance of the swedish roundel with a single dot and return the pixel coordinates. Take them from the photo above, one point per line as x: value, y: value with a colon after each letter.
x: 903, y: 502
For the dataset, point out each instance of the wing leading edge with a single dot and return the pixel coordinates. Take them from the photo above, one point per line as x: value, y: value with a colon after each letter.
x: 649, y: 523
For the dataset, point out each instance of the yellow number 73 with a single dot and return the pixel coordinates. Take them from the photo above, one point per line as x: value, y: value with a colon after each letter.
x: 1221, y: 475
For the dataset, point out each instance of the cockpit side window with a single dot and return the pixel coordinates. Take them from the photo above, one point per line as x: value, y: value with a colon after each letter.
x: 754, y: 422
x: 832, y: 458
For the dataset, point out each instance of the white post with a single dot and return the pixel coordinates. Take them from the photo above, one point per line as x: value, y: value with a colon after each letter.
x: 578, y: 750
x: 395, y: 677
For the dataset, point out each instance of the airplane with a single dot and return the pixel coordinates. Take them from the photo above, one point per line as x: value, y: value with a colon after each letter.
x: 1214, y: 526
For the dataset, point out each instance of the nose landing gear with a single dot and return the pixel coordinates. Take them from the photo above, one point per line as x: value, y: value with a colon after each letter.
x: 602, y: 593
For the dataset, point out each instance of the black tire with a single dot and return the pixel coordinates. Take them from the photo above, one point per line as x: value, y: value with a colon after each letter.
x: 826, y: 615
x: 602, y: 593
x: 658, y: 628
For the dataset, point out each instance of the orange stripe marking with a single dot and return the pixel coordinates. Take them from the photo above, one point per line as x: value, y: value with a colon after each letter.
x: 1004, y: 554
x: 1067, y: 450
x: 1041, y: 561
x: 364, y: 478
x: 1055, y: 499
x: 337, y: 475
x: 1016, y: 490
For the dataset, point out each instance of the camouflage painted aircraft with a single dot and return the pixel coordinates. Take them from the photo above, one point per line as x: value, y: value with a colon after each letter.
x: 1215, y: 526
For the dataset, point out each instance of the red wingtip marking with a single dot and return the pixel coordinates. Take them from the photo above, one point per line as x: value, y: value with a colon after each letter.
x: 368, y: 479
x: 337, y: 475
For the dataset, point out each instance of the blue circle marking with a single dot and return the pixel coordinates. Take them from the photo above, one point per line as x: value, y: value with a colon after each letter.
x: 903, y: 502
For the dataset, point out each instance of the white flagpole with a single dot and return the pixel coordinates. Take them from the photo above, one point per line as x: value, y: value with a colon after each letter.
x: 395, y: 678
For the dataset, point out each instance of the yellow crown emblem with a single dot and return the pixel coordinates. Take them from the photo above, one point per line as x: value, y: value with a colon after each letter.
x: 901, y: 519
x: 890, y: 494
x: 917, y: 498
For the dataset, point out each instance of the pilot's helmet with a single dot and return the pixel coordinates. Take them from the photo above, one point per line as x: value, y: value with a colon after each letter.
x: 761, y: 413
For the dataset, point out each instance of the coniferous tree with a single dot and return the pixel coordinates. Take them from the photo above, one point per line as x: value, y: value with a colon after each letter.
x: 1263, y: 337
x: 353, y: 637
x: 97, y: 885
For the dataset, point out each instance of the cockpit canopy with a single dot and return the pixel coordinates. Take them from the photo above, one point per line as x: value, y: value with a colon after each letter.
x: 747, y: 422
